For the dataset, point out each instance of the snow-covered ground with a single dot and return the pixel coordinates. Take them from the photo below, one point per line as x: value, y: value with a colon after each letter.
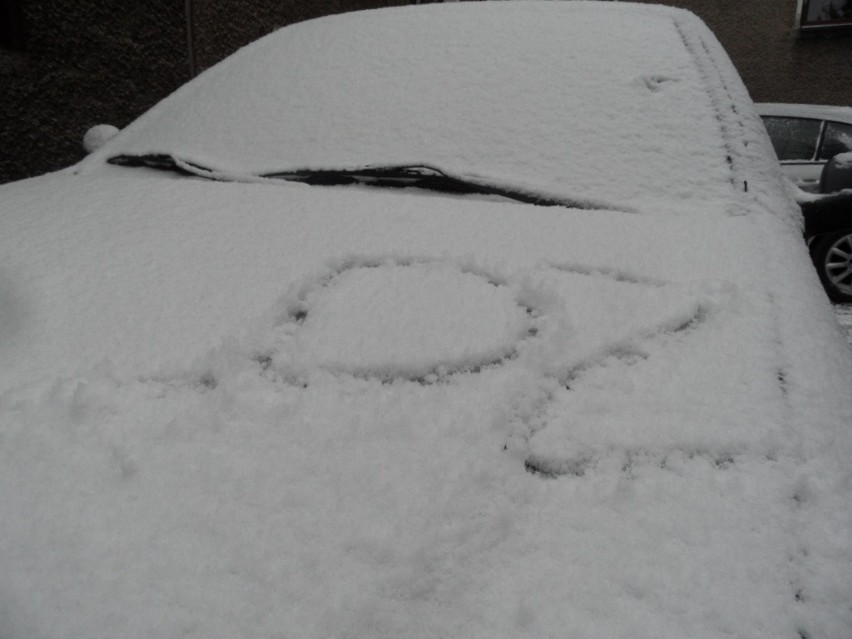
x: 844, y: 316
x: 253, y: 408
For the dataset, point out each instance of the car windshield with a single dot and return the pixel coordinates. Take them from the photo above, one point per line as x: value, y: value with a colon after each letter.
x: 628, y: 121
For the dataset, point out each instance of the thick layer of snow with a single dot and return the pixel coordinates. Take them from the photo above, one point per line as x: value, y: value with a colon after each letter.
x: 843, y: 160
x: 655, y: 442
x: 267, y: 409
x: 405, y: 86
x: 403, y: 315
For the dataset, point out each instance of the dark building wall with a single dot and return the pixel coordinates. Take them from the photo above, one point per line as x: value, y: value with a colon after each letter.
x: 77, y: 63
x: 66, y: 65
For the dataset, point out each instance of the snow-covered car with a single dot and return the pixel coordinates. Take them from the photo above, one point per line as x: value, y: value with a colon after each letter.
x: 806, y: 136
x: 573, y: 377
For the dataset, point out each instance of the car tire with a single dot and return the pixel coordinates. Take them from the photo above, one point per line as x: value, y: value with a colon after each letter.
x: 832, y: 256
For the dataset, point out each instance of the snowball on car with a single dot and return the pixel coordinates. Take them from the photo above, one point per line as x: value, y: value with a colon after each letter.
x: 97, y: 136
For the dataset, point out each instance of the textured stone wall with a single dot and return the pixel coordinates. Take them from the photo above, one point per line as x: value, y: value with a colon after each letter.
x: 80, y: 63
x: 85, y: 62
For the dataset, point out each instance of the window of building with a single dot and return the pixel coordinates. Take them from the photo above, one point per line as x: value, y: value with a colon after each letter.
x: 822, y: 14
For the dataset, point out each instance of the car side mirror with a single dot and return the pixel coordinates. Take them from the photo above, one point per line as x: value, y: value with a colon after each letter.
x: 97, y: 136
x: 836, y: 174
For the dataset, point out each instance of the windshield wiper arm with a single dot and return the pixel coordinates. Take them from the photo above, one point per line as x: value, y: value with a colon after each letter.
x: 161, y: 162
x: 418, y: 176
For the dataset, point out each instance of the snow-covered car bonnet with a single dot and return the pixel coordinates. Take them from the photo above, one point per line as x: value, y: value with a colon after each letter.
x: 606, y: 103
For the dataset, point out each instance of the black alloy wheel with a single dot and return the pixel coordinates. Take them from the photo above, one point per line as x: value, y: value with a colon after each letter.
x: 832, y: 256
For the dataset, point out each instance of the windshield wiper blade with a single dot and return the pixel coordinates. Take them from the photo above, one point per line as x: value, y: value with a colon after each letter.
x: 424, y: 177
x: 418, y: 176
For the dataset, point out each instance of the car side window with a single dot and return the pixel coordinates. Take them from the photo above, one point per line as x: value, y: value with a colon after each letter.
x: 793, y: 138
x: 837, y: 139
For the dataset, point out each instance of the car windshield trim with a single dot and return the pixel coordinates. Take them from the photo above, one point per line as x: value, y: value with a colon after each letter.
x: 394, y: 176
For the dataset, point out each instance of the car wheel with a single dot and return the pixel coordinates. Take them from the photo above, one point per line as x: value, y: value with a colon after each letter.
x: 832, y: 256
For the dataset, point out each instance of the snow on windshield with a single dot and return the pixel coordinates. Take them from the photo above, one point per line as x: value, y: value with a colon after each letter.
x: 600, y: 103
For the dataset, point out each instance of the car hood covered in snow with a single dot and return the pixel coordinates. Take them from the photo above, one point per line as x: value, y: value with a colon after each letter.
x: 232, y: 406
x: 268, y: 409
